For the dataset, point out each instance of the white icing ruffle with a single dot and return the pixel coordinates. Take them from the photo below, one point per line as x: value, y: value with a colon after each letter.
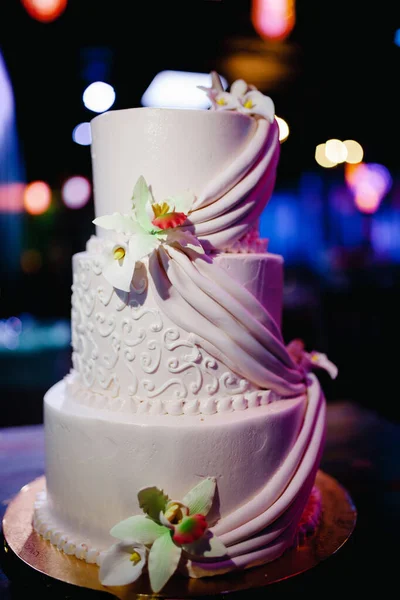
x: 232, y: 202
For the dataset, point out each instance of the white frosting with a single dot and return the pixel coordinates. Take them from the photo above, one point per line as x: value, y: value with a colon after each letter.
x: 85, y: 448
x: 128, y: 355
x: 228, y: 160
x: 174, y: 150
x: 264, y: 459
x: 210, y: 405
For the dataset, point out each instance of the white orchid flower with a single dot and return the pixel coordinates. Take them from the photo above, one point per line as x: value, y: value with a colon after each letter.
x: 216, y: 91
x: 319, y: 359
x: 122, y: 563
x: 254, y: 102
x: 142, y: 231
x: 120, y: 257
x: 169, y: 528
x: 243, y: 97
x: 309, y: 360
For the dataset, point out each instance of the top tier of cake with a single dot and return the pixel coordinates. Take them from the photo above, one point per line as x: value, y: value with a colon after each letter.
x: 226, y: 159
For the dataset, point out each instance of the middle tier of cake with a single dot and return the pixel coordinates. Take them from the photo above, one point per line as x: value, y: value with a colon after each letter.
x: 129, y: 356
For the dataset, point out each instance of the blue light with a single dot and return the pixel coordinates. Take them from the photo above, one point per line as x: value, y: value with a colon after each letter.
x: 82, y: 134
x: 96, y: 63
x: 397, y: 37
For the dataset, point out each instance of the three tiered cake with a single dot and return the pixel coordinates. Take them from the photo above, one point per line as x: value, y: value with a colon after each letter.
x: 188, y: 435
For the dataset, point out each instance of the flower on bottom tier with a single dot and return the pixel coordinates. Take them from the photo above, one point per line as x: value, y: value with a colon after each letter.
x: 123, y: 563
x: 137, y: 234
x: 168, y: 530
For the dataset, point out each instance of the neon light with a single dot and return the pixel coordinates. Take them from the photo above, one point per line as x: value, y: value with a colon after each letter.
x: 44, y: 11
x: 273, y: 19
x: 37, y: 197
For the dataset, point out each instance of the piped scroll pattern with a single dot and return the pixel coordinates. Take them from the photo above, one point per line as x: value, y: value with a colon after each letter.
x: 127, y: 356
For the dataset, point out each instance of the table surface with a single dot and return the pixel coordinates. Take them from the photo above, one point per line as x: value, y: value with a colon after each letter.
x: 362, y: 452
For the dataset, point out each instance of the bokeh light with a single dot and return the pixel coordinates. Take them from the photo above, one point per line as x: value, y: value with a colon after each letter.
x: 12, y: 197
x: 335, y: 151
x: 321, y: 158
x: 273, y: 19
x: 37, y: 197
x: 178, y: 89
x: 369, y: 182
x: 44, y: 10
x: 10, y: 330
x: 283, y: 129
x: 31, y: 261
x: 355, y: 153
x: 99, y: 96
x: 6, y: 100
x: 76, y: 192
x: 82, y: 134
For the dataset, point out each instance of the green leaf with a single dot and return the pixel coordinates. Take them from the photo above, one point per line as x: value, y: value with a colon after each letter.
x: 139, y: 528
x: 199, y: 500
x: 208, y: 546
x: 141, y: 197
x: 163, y: 560
x: 152, y: 501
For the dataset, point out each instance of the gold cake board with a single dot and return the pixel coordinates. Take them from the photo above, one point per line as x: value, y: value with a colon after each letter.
x: 24, y: 548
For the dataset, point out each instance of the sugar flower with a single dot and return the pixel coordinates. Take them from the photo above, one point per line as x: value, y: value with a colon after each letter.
x: 309, y: 360
x: 242, y: 97
x: 137, y: 234
x: 123, y: 563
x: 169, y: 529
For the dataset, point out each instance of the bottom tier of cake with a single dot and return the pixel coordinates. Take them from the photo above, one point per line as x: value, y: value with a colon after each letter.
x: 264, y: 461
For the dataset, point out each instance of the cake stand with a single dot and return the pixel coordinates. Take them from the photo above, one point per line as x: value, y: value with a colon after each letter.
x: 27, y: 554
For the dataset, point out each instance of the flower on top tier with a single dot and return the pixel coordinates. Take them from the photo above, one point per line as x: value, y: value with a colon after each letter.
x: 140, y: 232
x: 242, y: 97
x: 168, y: 529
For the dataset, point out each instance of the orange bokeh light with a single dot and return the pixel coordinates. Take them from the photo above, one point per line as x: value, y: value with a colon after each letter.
x: 37, y: 197
x: 44, y: 11
x: 273, y: 19
x: 367, y: 200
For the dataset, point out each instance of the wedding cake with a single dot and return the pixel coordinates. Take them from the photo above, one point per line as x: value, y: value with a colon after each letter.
x: 187, y: 437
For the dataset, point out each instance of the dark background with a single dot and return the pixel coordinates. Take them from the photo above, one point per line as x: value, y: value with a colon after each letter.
x: 335, y: 76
